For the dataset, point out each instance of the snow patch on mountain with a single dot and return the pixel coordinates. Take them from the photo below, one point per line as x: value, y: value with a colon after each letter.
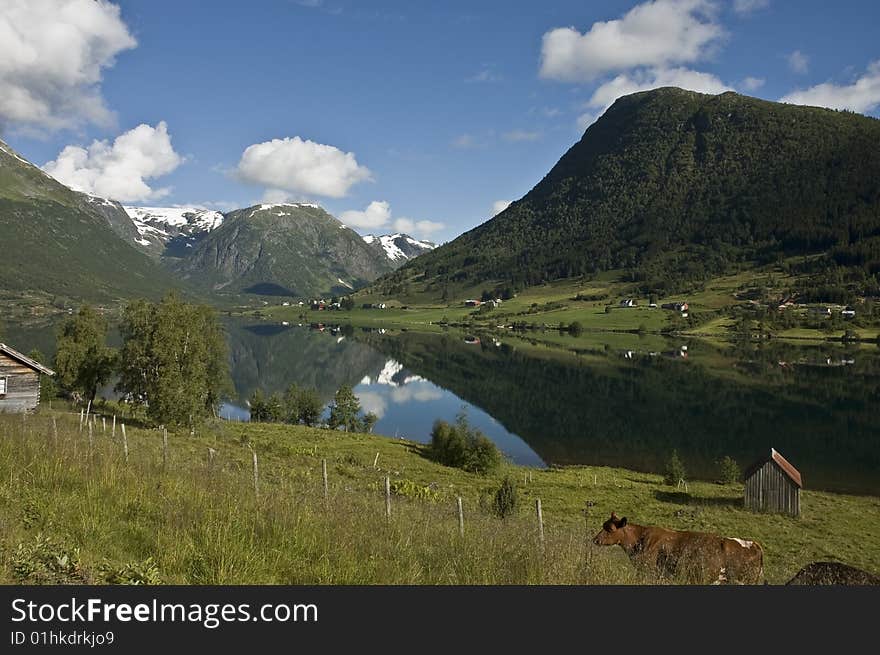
x: 399, y: 247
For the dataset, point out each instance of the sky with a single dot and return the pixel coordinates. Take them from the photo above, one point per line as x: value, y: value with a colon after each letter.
x: 423, y: 117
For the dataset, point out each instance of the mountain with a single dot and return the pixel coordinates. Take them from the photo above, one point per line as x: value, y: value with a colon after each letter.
x: 673, y: 187
x: 282, y: 249
x: 398, y: 248
x: 58, y: 242
x: 172, y: 231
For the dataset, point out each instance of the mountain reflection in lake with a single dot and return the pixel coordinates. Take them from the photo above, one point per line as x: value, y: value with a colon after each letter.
x: 623, y: 406
x: 272, y: 357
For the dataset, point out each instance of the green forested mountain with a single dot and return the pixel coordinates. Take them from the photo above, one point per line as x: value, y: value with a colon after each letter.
x: 673, y: 187
x: 58, y: 242
x: 283, y: 249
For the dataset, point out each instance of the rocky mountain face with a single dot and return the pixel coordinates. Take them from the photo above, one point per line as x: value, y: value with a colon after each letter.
x: 398, y: 248
x: 282, y: 249
x: 172, y: 231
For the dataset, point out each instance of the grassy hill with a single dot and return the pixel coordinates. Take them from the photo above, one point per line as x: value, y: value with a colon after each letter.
x: 71, y: 512
x: 674, y: 187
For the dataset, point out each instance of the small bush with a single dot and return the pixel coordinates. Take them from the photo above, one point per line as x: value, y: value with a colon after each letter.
x: 461, y: 446
x: 674, y: 469
x: 729, y: 471
x: 505, y: 500
x: 576, y: 329
x: 133, y: 573
x: 44, y: 560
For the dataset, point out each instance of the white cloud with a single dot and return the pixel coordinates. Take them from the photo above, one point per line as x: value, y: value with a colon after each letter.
x: 862, y: 96
x: 657, y: 34
x: 749, y: 6
x: 378, y: 215
x: 421, y: 229
x: 120, y: 170
x: 798, y: 62
x: 644, y: 80
x: 301, y: 166
x: 499, y: 206
x: 52, y: 55
x: 753, y: 83
x: 515, y: 136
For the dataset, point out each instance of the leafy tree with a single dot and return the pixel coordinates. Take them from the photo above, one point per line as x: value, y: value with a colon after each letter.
x: 728, y: 470
x: 462, y: 447
x: 576, y: 328
x: 291, y: 404
x: 369, y: 421
x: 347, y: 303
x: 48, y: 386
x: 344, y: 410
x: 173, y: 360
x: 266, y: 409
x: 505, y: 501
x: 674, y: 469
x: 310, y: 407
x: 83, y: 360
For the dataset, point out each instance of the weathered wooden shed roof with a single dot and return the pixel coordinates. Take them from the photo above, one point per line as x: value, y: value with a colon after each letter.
x: 789, y: 470
x: 24, y: 359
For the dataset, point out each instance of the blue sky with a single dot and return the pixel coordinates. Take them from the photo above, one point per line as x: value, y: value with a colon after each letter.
x: 433, y: 112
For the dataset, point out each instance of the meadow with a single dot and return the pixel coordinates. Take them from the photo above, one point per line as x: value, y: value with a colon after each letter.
x: 78, y: 509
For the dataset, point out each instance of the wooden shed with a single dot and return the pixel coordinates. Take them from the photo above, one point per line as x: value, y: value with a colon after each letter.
x: 19, y: 381
x: 772, y: 484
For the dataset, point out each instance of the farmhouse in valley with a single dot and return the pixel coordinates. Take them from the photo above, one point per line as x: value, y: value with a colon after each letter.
x: 19, y: 381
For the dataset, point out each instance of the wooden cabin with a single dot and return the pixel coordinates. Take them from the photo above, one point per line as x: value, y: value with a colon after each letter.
x: 19, y: 381
x: 772, y: 484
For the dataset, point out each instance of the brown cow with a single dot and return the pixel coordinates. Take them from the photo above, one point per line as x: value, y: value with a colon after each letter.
x: 698, y: 557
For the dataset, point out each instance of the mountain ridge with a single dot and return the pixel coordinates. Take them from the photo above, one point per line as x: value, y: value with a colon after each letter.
x: 673, y: 186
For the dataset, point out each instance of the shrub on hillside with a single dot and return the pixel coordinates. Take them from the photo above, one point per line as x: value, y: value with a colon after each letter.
x: 505, y: 500
x: 675, y: 470
x: 463, y: 447
x: 729, y: 471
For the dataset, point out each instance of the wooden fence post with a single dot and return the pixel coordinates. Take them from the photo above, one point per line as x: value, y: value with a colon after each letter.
x: 211, y: 453
x: 387, y: 497
x: 81, y: 415
x: 55, y: 431
x: 324, y: 478
x: 103, y: 425
x: 540, y: 516
x: 376, y: 460
x: 113, y: 433
x: 88, y: 410
x: 256, y: 473
x: 460, y: 517
x: 124, y: 443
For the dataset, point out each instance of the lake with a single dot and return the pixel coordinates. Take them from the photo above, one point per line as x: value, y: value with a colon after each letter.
x: 605, y: 399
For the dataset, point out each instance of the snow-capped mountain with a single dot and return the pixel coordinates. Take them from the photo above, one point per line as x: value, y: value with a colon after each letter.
x: 398, y: 248
x: 172, y: 230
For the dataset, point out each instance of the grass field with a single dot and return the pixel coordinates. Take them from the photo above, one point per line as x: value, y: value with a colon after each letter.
x: 75, y: 512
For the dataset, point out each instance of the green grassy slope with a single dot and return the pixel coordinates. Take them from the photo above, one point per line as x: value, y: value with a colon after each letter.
x: 200, y: 522
x: 57, y: 242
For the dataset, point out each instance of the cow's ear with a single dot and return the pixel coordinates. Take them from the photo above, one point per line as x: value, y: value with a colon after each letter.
x: 622, y: 522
